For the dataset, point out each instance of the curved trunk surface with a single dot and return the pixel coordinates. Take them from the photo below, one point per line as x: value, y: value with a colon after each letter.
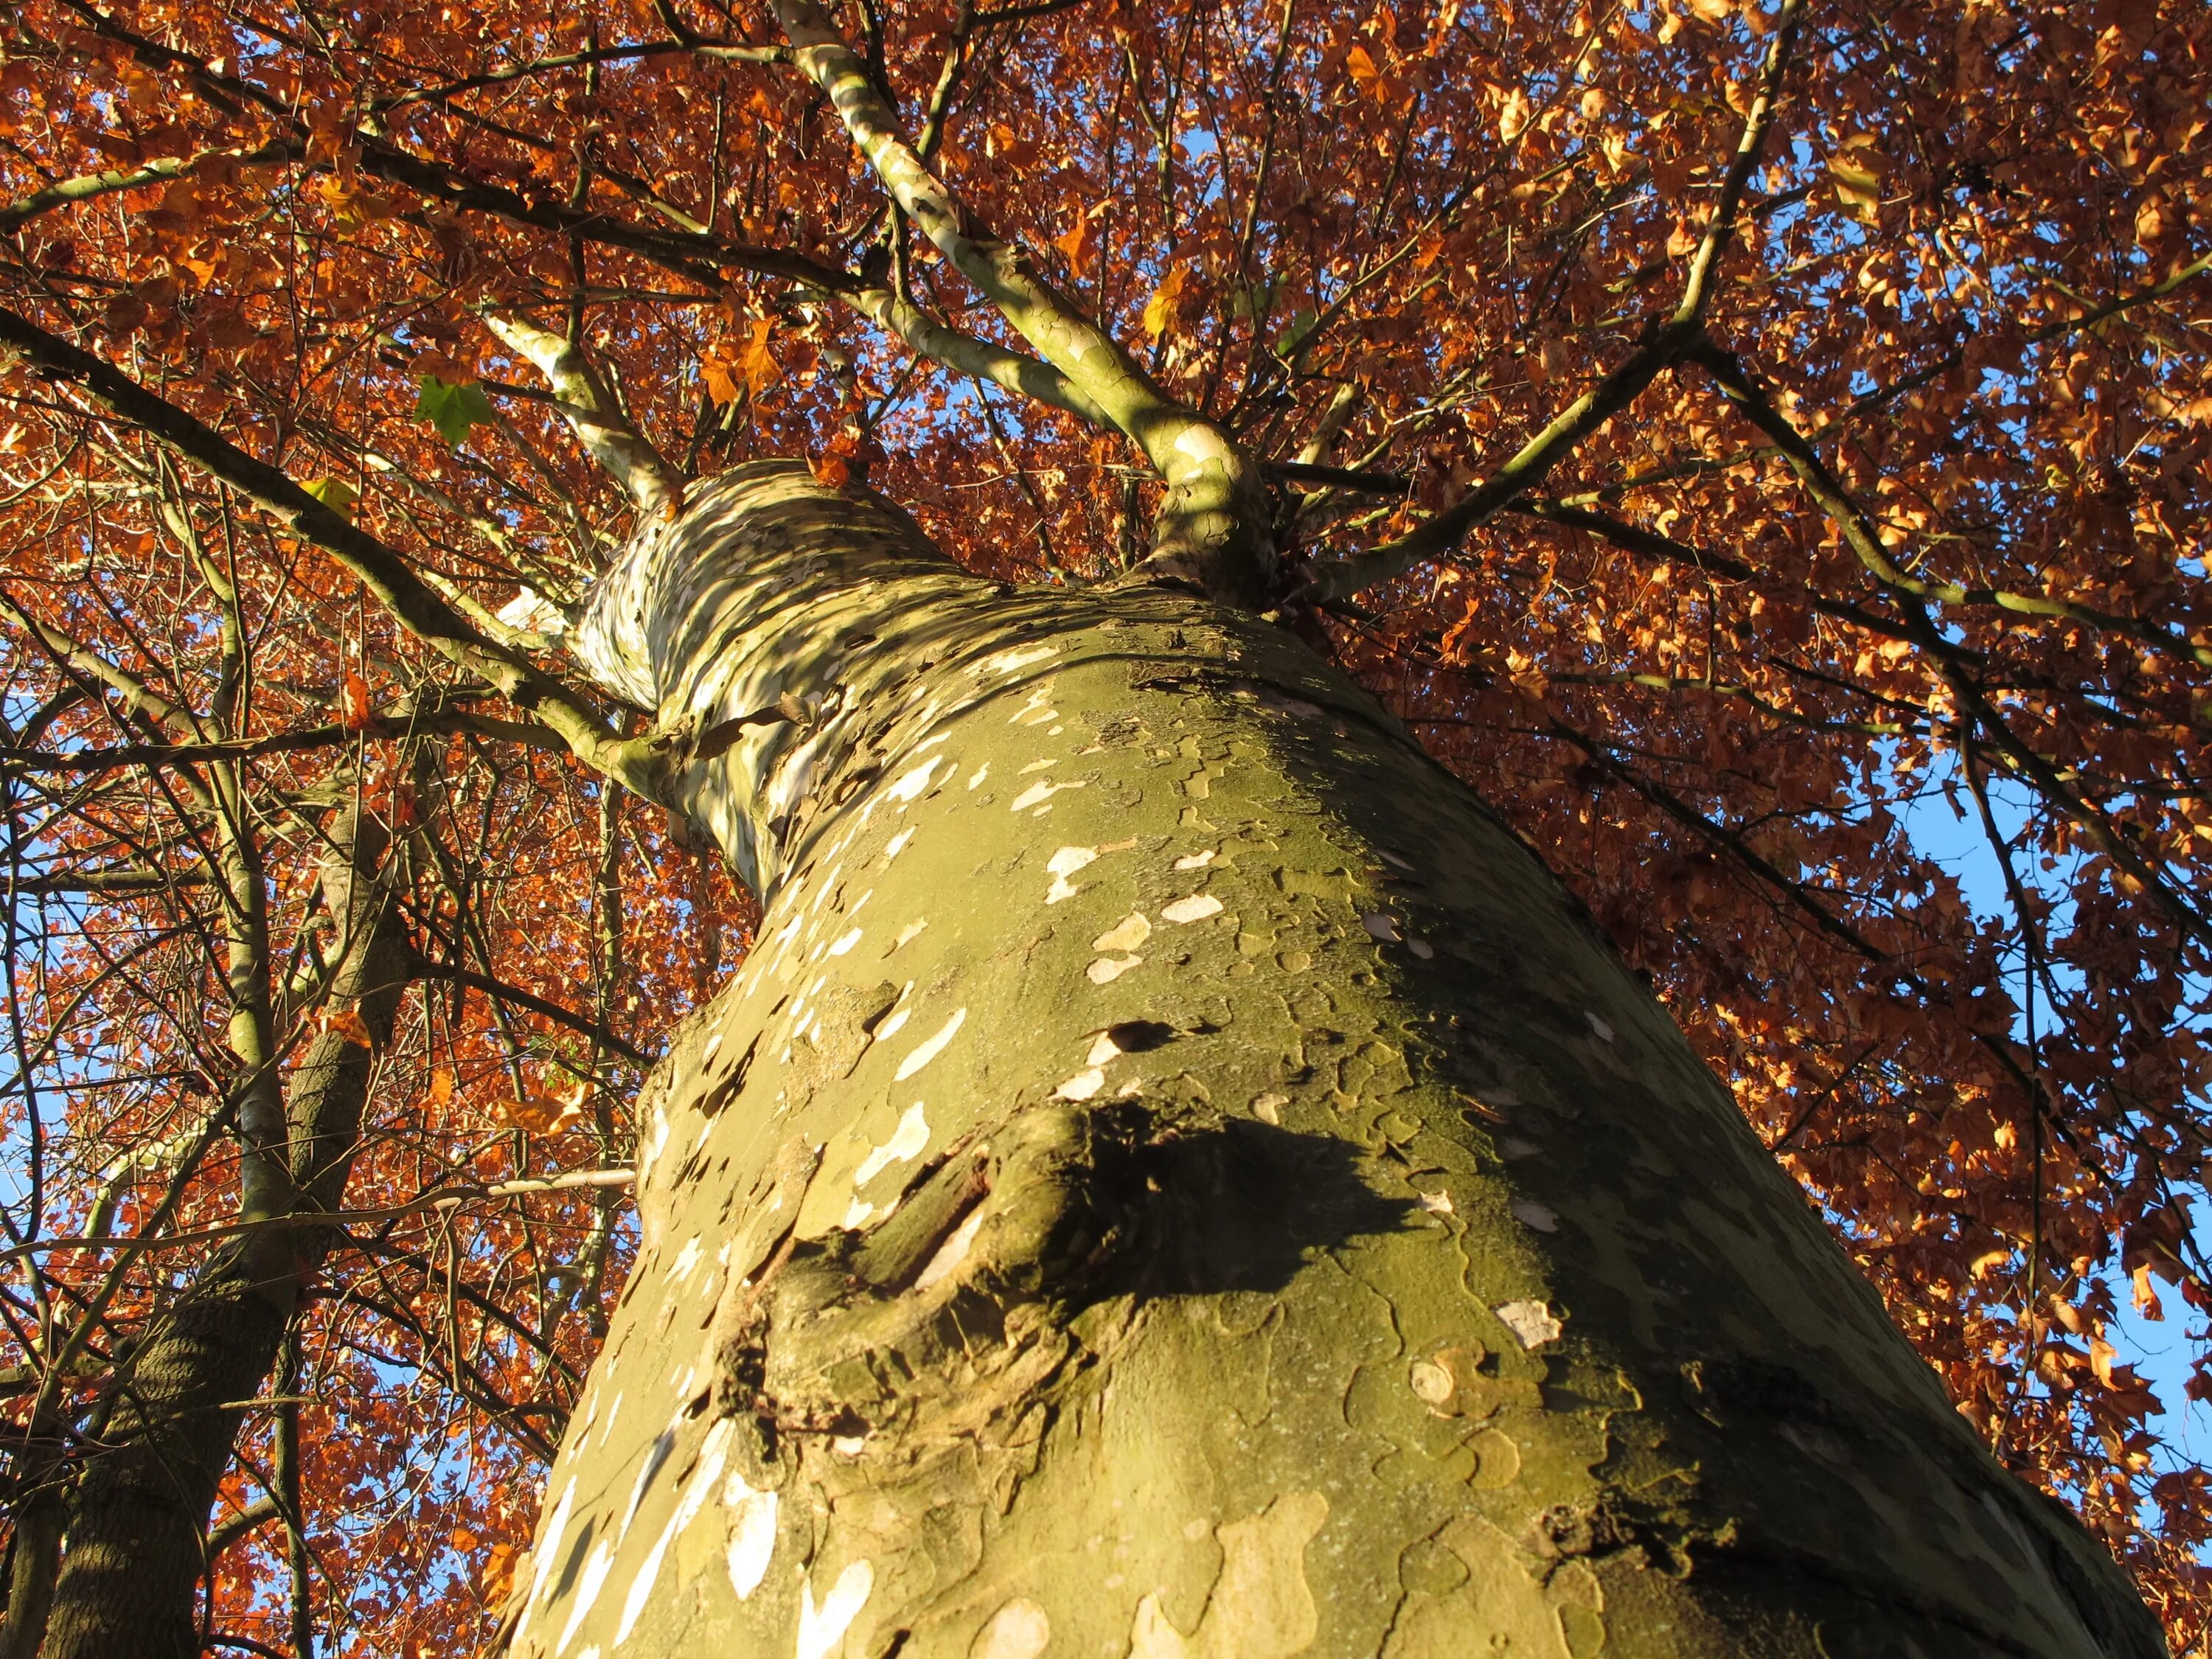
x: 1176, y: 1177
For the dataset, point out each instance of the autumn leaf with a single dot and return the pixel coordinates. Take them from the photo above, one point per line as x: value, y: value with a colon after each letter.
x: 345, y: 1022
x: 1076, y: 242
x: 547, y: 1115
x: 441, y: 1086
x: 1854, y: 171
x: 714, y: 374
x: 355, y: 712
x: 453, y: 410
x: 336, y: 493
x: 1160, y: 309
x: 757, y: 361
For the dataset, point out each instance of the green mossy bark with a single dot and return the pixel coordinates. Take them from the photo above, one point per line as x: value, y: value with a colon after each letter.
x: 1176, y: 1177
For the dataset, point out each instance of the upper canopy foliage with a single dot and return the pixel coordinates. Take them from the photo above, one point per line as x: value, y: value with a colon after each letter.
x: 1866, y: 348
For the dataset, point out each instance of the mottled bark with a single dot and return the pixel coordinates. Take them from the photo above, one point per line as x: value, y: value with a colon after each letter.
x: 134, y: 1549
x: 1176, y: 1177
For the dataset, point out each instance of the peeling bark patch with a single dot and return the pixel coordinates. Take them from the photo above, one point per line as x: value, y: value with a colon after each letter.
x: 1019, y: 1630
x: 820, y: 1629
x: 1268, y: 1108
x: 711, y: 1455
x: 587, y: 1592
x: 1440, y: 1204
x: 929, y: 1047
x: 1126, y: 934
x: 1006, y: 662
x: 1062, y: 865
x: 911, y: 784
x: 897, y: 844
x: 1532, y: 1322
x: 1260, y: 1607
x: 1194, y: 860
x: 1043, y: 790
x: 1604, y: 1032
x: 1082, y: 1086
x: 752, y: 1535
x: 908, y: 1140
x: 1530, y: 1213
x: 1382, y: 927
x: 952, y: 1253
x: 1107, y: 970
x: 1197, y: 907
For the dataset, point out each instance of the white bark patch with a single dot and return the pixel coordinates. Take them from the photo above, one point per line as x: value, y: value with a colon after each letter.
x: 929, y: 1047
x: 1064, y: 863
x: 686, y: 1259
x: 1268, y: 1108
x: 1107, y: 970
x: 1126, y: 934
x: 1036, y: 710
x: 1044, y: 765
x: 1197, y: 907
x: 976, y: 777
x: 1195, y: 860
x: 897, y: 844
x: 587, y: 1592
x: 1421, y: 948
x: 1530, y: 1213
x: 1512, y: 1147
x: 845, y: 941
x: 1021, y: 656
x: 1430, y: 1382
x: 908, y: 1140
x: 820, y: 1629
x: 1532, y: 1322
x: 1437, y: 1203
x: 1259, y: 1606
x: 890, y: 1028
x: 1043, y: 790
x: 1380, y: 926
x: 1102, y: 1048
x: 548, y: 1551
x: 911, y: 785
x: 664, y: 1443
x: 1082, y: 1086
x: 711, y: 1455
x: 952, y: 1253
x: 752, y: 1533
x: 1019, y: 1630
x: 1604, y: 1032
x: 906, y: 937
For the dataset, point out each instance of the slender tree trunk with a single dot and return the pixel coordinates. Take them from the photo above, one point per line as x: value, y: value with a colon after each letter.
x: 1176, y: 1177
x: 136, y: 1548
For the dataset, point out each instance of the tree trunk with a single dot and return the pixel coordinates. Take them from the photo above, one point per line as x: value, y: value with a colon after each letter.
x: 136, y: 1547
x: 1176, y: 1177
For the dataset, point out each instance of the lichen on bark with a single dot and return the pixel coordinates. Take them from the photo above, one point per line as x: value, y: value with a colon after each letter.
x: 1176, y: 1177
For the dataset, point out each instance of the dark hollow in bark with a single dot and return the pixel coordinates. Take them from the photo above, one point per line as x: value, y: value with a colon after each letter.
x: 1176, y: 1178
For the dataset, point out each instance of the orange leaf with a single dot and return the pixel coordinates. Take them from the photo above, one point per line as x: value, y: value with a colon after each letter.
x: 1159, y: 310
x: 354, y: 711
x: 758, y: 362
x: 1076, y: 243
x: 348, y: 1023
x: 442, y: 1087
x: 546, y: 1114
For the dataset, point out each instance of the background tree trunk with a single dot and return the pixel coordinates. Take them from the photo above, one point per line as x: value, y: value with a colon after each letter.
x: 1176, y: 1177
x: 136, y: 1547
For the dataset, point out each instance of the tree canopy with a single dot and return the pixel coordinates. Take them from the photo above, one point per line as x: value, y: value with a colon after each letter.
x: 1758, y: 446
